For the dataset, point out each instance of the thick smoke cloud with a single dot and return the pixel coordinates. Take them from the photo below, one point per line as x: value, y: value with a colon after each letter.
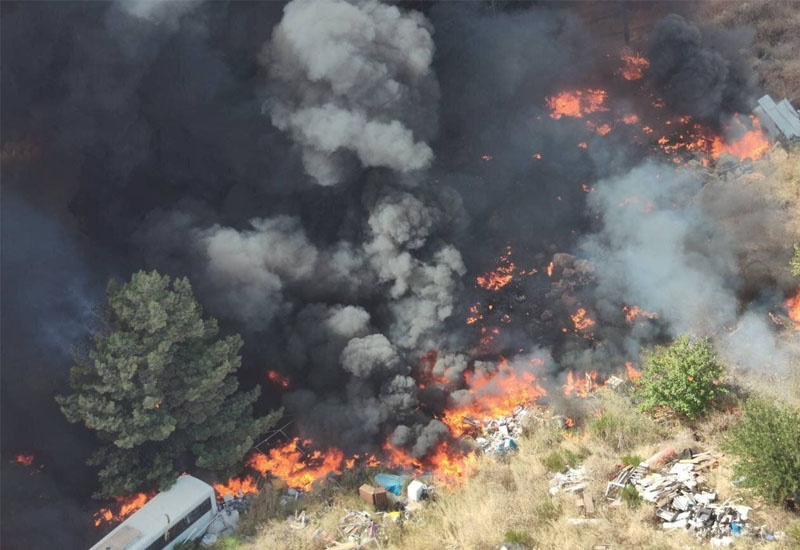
x: 353, y: 80
x: 701, y: 74
x: 668, y: 245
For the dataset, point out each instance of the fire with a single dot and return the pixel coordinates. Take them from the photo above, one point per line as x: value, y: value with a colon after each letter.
x: 501, y: 276
x: 630, y: 119
x: 278, y: 379
x: 298, y: 470
x: 583, y: 145
x: 25, y: 460
x: 632, y: 313
x: 127, y: 506
x: 602, y: 129
x: 752, y: 143
x: 582, y: 322
x: 581, y: 386
x: 568, y: 422
x: 538, y: 156
x: 452, y: 466
x: 399, y: 458
x: 792, y: 305
x: 576, y: 103
x: 496, y: 394
x: 486, y: 157
x: 236, y: 485
x: 633, y: 374
x: 474, y: 315
x: 550, y: 269
x: 634, y: 66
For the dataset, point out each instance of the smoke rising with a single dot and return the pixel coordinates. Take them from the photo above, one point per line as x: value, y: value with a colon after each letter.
x: 332, y: 177
x: 701, y: 73
x: 353, y: 80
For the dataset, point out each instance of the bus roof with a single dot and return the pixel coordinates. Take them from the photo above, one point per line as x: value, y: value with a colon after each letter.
x: 185, y: 494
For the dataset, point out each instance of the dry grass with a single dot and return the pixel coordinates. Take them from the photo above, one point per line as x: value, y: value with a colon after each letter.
x: 513, y: 496
x: 777, y: 41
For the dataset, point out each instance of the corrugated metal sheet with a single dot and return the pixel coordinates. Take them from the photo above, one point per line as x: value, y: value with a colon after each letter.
x: 779, y: 118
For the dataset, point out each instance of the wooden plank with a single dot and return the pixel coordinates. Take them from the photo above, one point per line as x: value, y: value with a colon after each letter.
x: 588, y: 503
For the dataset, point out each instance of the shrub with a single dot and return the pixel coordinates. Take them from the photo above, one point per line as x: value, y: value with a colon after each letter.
x: 685, y: 376
x: 619, y: 425
x: 766, y: 444
x: 519, y: 537
x: 630, y: 496
x: 631, y: 460
x: 794, y: 533
x: 186, y: 545
x: 557, y: 461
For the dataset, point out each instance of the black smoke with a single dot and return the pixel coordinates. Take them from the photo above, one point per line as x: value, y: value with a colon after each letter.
x: 702, y: 73
x: 322, y: 182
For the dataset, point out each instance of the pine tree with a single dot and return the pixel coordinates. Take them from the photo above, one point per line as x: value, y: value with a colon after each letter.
x: 159, y: 388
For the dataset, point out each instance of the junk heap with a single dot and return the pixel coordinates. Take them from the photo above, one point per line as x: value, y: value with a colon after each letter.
x: 680, y: 499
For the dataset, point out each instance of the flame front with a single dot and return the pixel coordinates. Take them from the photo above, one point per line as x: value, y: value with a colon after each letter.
x: 127, y: 506
x: 752, y: 143
x: 495, y: 395
x: 278, y: 379
x: 25, y: 460
x: 298, y: 470
x: 501, y: 276
x: 576, y: 103
x: 633, y: 374
x: 581, y: 386
x: 634, y: 312
x: 582, y: 320
x: 792, y: 305
x: 237, y: 485
x: 634, y: 66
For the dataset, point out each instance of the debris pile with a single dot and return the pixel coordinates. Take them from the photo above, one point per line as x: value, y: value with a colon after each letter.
x: 572, y: 481
x: 680, y: 499
x: 499, y: 434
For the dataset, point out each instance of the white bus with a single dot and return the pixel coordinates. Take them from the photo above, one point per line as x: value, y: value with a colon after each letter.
x: 180, y: 513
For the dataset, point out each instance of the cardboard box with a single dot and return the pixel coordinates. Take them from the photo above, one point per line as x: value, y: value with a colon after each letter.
x: 373, y: 495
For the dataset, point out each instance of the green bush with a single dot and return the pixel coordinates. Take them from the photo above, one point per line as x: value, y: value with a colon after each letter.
x: 630, y: 496
x: 558, y: 460
x: 186, y: 545
x: 793, y: 533
x: 766, y: 445
x: 619, y: 425
x: 631, y: 460
x: 685, y: 376
x: 519, y: 537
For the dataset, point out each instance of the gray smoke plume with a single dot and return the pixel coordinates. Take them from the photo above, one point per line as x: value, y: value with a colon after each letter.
x: 701, y: 73
x: 353, y: 79
x: 667, y: 247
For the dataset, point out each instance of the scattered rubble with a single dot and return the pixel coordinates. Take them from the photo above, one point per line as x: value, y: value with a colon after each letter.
x: 572, y: 481
x: 680, y: 499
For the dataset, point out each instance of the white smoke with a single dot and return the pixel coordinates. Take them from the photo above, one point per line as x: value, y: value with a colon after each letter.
x: 665, y: 246
x: 352, y: 77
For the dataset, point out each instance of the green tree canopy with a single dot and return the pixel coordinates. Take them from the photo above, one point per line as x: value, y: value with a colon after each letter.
x: 794, y: 264
x: 159, y: 387
x: 766, y: 444
x: 685, y: 376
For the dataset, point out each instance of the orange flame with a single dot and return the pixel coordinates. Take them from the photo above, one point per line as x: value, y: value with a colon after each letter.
x: 298, y: 470
x: 236, y: 485
x: 576, y: 103
x: 452, y: 466
x: 792, y: 305
x: 496, y: 394
x: 127, y: 506
x: 632, y: 313
x: 633, y: 374
x: 752, y: 143
x: 501, y: 276
x: 581, y: 386
x: 278, y: 379
x: 550, y: 269
x: 634, y: 66
x: 582, y: 322
x: 25, y: 460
